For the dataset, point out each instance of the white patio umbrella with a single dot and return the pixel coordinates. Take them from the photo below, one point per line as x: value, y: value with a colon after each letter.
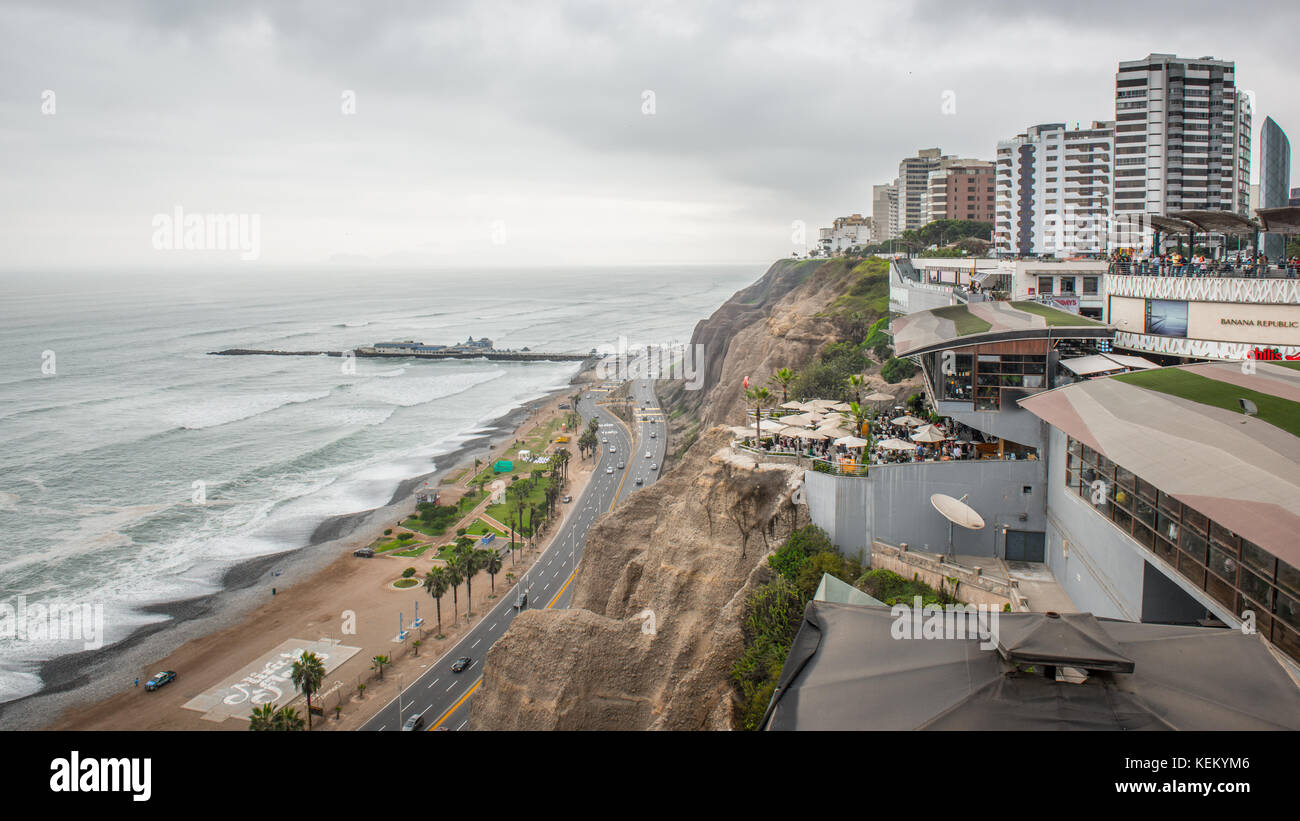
x: 792, y: 405
x: 928, y: 433
x: 815, y: 435
x: 743, y: 431
x: 799, y: 419
x: 835, y: 433
x: 770, y: 426
x: 793, y: 431
x: 820, y: 403
x: 841, y: 406
x: 878, y: 397
x: 851, y: 442
x: 896, y: 444
x: 907, y: 420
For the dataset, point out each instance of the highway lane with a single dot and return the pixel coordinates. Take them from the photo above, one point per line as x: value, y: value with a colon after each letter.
x: 442, y: 696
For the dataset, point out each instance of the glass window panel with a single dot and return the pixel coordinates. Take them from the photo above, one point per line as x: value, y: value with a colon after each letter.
x: 1288, y: 578
x: 1194, y: 544
x: 1220, y: 590
x: 1223, y: 564
x: 1287, y: 639
x: 1223, y: 537
x: 1167, y: 551
x: 1194, y: 520
x: 1261, y: 560
x: 1146, y: 490
x: 1288, y: 610
x: 1191, y: 570
x: 1122, y: 519
x: 1074, y: 446
x: 1144, y: 535
x: 1145, y: 512
x: 1167, y: 527
x: 1255, y: 588
x: 1123, y: 478
x: 1170, y: 505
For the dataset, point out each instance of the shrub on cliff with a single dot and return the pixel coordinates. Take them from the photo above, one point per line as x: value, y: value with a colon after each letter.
x: 773, y: 614
x: 896, y: 370
x: 827, y: 376
x: 891, y: 588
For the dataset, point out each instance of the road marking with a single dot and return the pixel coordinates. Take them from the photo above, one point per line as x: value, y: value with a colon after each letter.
x: 462, y: 725
x: 562, y: 589
x: 475, y: 644
x: 493, y: 626
x: 435, y: 681
x: 456, y: 706
x: 449, y: 686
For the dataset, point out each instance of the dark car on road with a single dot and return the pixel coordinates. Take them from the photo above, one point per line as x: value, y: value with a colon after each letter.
x: 415, y: 722
x: 159, y: 680
x: 364, y: 553
x: 459, y: 665
x: 521, y: 601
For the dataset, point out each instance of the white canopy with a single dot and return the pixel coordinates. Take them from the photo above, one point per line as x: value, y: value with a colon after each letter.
x: 896, y: 444
x: 928, y: 433
x: 907, y: 420
x: 792, y: 405
x: 877, y: 397
x: 770, y: 426
x: 841, y: 406
x: 851, y: 442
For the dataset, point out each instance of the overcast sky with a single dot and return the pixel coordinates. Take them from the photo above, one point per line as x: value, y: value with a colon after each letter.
x: 488, y: 134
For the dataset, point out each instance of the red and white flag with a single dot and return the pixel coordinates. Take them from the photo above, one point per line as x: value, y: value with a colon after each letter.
x: 746, y: 383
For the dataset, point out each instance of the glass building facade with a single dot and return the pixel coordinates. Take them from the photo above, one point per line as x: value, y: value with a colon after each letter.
x: 1274, y: 179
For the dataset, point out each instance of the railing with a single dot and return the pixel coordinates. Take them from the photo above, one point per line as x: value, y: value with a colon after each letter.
x: 837, y: 468
x: 1204, y: 269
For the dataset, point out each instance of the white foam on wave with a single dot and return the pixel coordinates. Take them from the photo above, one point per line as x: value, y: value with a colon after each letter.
x: 420, y: 390
x: 229, y: 409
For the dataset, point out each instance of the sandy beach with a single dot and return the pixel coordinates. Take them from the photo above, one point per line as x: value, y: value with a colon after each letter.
x: 321, y: 592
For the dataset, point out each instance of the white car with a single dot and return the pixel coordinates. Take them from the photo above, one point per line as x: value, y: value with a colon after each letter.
x: 604, y: 439
x: 654, y: 466
x: 638, y: 480
x: 613, y: 449
x: 652, y: 434
x: 609, y: 470
x: 649, y: 455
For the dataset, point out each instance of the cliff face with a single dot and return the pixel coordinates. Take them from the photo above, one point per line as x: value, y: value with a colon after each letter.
x: 686, y: 549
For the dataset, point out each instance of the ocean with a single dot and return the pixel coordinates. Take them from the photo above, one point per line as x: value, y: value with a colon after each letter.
x: 136, y: 469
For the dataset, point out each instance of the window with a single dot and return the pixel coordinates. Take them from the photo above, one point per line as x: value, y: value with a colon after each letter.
x: 1045, y: 285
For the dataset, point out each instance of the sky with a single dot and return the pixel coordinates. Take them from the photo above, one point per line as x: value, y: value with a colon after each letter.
x: 541, y: 133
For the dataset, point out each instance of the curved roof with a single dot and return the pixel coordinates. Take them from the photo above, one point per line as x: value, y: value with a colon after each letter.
x: 1284, y: 220
x: 957, y: 326
x: 1218, y: 222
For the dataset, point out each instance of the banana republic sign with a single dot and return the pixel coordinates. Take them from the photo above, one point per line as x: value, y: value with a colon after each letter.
x: 1259, y: 323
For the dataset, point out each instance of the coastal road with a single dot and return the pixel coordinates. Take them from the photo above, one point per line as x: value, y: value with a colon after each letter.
x: 441, y: 696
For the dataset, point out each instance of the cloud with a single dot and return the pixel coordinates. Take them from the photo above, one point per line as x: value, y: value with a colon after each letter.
x: 470, y: 113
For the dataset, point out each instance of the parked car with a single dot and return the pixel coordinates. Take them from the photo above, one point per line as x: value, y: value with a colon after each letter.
x: 159, y: 679
x: 567, y: 499
x: 415, y: 722
x: 461, y: 663
x: 364, y: 553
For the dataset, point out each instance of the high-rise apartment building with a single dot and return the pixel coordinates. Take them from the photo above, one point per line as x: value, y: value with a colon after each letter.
x: 1182, y: 137
x: 961, y: 190
x: 1054, y: 190
x: 1274, y: 179
x: 913, y: 185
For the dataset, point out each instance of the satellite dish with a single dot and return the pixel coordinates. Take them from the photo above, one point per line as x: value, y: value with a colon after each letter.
x: 957, y: 511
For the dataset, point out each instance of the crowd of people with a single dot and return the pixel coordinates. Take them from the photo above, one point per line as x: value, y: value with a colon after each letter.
x: 1144, y: 262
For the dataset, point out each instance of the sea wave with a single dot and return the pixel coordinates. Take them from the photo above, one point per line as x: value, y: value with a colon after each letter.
x: 421, y: 390
x: 233, y: 409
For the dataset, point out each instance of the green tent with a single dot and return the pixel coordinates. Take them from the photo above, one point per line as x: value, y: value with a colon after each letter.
x: 503, y: 466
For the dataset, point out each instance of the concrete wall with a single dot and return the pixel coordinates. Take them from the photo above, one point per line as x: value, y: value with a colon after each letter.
x: 892, y: 504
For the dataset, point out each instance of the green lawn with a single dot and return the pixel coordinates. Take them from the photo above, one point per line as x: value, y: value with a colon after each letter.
x: 965, y: 321
x: 394, y: 544
x: 481, y: 528
x: 1054, y: 316
x: 1282, y: 413
x: 502, y: 510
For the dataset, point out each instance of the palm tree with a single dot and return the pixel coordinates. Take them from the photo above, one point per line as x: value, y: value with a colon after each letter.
x: 435, y: 582
x: 860, y: 414
x: 466, y: 559
x: 377, y: 663
x: 308, y: 673
x: 759, y: 398
x: 783, y: 378
x: 263, y: 718
x: 454, y: 578
x: 855, y: 385
x: 492, y: 564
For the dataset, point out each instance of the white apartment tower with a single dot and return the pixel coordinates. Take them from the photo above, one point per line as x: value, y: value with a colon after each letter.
x: 1053, y: 190
x: 1182, y: 137
x: 884, y: 212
